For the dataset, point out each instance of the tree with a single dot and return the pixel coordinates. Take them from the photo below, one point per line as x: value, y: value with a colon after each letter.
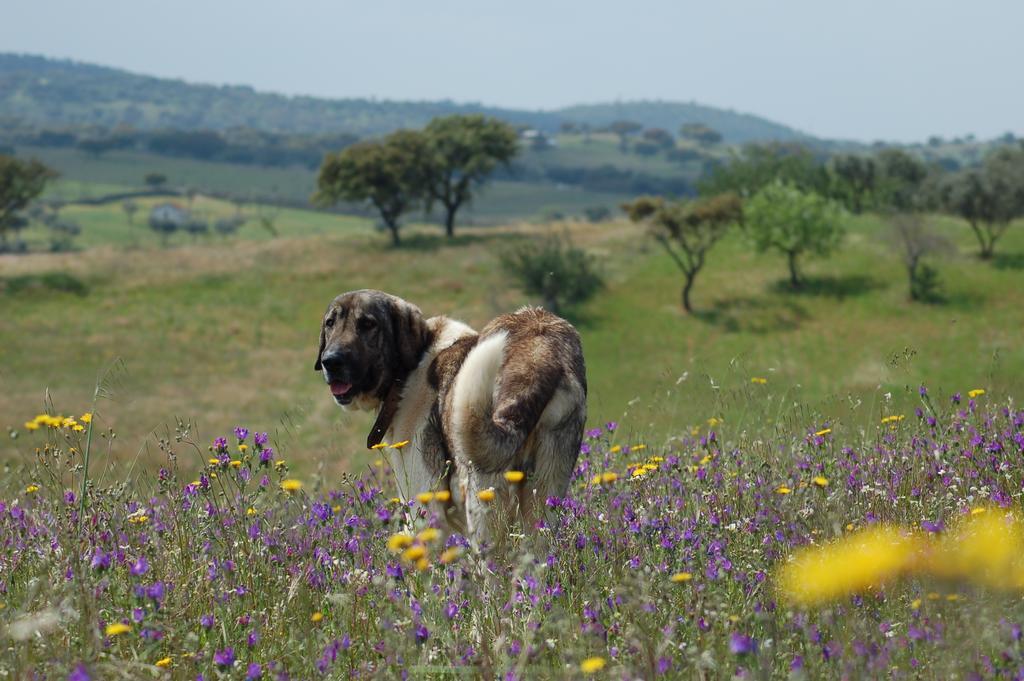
x: 762, y: 164
x: 901, y: 180
x: 464, y: 151
x: 130, y: 208
x: 659, y: 137
x: 794, y: 222
x: 390, y: 174
x: 854, y: 180
x: 154, y: 180
x: 552, y: 268
x: 687, y: 230
x: 700, y: 133
x: 20, y: 183
x: 989, y: 198
x: 624, y: 129
x: 915, y: 242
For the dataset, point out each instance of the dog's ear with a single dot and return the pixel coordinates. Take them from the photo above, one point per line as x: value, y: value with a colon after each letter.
x: 323, y: 341
x: 411, y: 333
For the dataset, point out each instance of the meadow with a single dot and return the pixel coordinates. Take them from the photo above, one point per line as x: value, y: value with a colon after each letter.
x: 719, y: 442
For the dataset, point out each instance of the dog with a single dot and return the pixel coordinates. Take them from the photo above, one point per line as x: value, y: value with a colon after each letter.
x: 471, y: 406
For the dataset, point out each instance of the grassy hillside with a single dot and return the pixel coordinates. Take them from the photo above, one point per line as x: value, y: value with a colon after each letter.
x: 49, y: 92
x: 228, y: 326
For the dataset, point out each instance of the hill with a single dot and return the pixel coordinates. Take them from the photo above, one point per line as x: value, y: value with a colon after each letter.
x: 49, y: 92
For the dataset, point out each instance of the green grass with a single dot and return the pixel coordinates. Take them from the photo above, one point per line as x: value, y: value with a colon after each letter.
x: 228, y: 326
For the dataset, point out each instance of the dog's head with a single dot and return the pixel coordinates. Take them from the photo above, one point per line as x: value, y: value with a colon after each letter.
x: 369, y: 342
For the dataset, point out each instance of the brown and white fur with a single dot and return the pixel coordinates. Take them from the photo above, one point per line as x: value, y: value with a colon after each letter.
x: 472, y: 406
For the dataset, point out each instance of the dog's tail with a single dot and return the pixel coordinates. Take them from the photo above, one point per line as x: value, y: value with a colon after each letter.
x: 497, y: 401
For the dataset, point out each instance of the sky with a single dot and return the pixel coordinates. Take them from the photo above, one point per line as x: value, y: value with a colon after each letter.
x: 893, y: 70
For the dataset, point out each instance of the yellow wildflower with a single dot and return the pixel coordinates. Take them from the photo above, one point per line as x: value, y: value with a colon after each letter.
x: 399, y: 445
x: 139, y: 519
x: 592, y: 665
x: 428, y: 535
x: 243, y: 448
x: 759, y: 380
x: 279, y: 463
x: 235, y: 463
x: 714, y: 421
x: 414, y: 553
x: 163, y: 663
x: 443, y: 495
x: 820, y: 481
x: 782, y: 489
x: 67, y: 422
x: 425, y: 497
x: 857, y: 562
x: 978, y: 510
x: 616, y: 449
x: 823, y: 431
x: 450, y: 554
x: 86, y: 417
x: 378, y: 463
x: 380, y: 445
x: 31, y: 489
x: 486, y: 495
x: 291, y: 485
x: 250, y: 511
x: 681, y: 577
x: 638, y: 472
x: 638, y: 448
x: 213, y: 462
x: 422, y: 564
x: 977, y: 392
x: 31, y: 425
x: 656, y: 459
x: 117, y: 628
x: 397, y: 542
x: 953, y: 597
x: 316, y: 617
x: 78, y: 427
x: 896, y: 418
x: 514, y: 476
x: 915, y: 604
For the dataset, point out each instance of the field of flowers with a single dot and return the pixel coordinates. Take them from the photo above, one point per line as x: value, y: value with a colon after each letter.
x: 673, y: 560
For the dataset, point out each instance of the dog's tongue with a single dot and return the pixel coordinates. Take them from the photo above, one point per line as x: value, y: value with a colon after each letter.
x: 339, y: 388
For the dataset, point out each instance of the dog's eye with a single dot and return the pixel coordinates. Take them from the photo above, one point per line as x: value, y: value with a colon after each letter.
x: 366, y: 324
x: 329, y: 323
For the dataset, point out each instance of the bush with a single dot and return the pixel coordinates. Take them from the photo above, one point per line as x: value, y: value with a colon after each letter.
x: 562, y: 275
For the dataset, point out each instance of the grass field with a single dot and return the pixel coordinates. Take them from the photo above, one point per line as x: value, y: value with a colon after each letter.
x: 209, y: 330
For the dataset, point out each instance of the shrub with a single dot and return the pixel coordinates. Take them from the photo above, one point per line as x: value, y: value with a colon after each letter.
x: 562, y: 275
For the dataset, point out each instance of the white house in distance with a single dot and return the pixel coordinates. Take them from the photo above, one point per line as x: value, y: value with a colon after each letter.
x: 168, y: 213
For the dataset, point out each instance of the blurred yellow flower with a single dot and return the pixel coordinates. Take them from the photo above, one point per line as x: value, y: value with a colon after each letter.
x: 450, y: 554
x: 893, y: 419
x: 86, y: 417
x: 638, y: 448
x: 638, y: 472
x: 514, y: 476
x: 213, y: 462
x: 250, y: 511
x: 117, y: 628
x: 279, y: 463
x: 592, y: 665
x: 681, y: 577
x: 976, y: 511
x: 854, y: 563
x: 31, y: 489
x: 291, y: 485
x: 399, y: 445
x: 823, y: 431
x: 414, y: 553
x: 31, y: 425
x: 316, y: 617
x: 758, y: 380
x: 442, y: 495
x: 915, y: 604
x: 235, y: 463
x: 397, y: 542
x: 782, y: 489
x: 486, y: 495
x: 616, y: 449
x: 243, y: 448
x: 163, y: 663
x: 425, y: 497
x: 380, y: 445
x: 428, y: 535
x: 977, y: 392
x: 139, y: 519
x: 422, y: 564
x: 820, y: 481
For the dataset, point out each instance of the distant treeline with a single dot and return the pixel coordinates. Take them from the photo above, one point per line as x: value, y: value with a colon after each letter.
x: 238, y: 145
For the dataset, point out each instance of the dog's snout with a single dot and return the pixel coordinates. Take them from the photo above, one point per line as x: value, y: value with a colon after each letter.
x: 334, y: 360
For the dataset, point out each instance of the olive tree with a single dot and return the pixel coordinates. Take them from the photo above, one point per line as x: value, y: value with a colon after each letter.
x: 389, y: 174
x: 687, y: 229
x: 463, y: 152
x: 794, y: 222
x: 20, y: 183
